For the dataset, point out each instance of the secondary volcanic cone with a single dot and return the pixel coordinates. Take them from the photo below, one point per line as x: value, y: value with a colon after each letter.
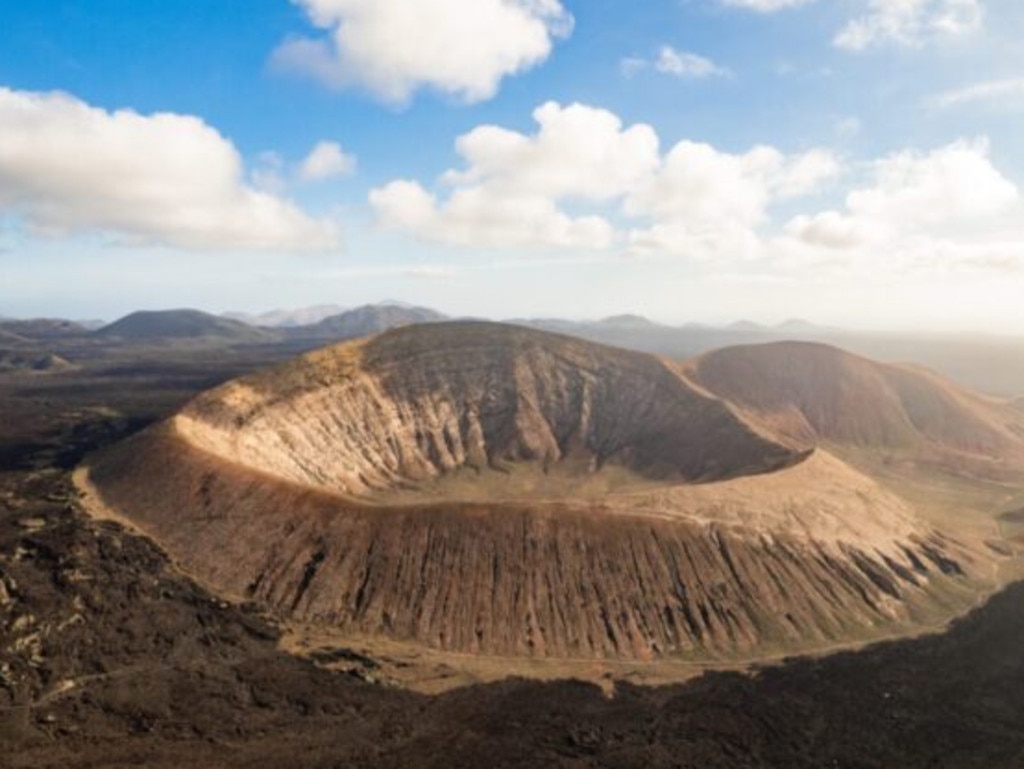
x: 483, y: 488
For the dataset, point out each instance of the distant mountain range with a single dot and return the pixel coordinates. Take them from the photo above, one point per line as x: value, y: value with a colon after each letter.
x: 41, y: 328
x: 196, y: 327
x: 311, y: 316
x: 987, y: 363
x: 370, y: 319
x: 288, y: 318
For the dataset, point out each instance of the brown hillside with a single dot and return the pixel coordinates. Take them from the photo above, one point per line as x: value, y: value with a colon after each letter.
x: 488, y: 489
x: 819, y: 393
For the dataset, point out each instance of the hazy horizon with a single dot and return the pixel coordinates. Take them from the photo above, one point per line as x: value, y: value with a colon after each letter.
x: 772, y: 323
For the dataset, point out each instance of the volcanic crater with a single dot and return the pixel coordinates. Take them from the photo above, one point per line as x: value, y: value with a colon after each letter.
x: 482, y: 488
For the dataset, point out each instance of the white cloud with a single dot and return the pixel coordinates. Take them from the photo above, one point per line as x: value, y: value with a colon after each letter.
x: 949, y: 206
x: 911, y: 22
x: 393, y: 47
x: 698, y: 182
x: 765, y: 6
x: 325, y: 161
x: 670, y: 61
x: 268, y: 173
x: 476, y: 217
x: 830, y: 229
x: 578, y: 152
x: 583, y: 180
x: 685, y: 64
x: 1008, y: 91
x: 722, y: 240
x: 955, y: 182
x: 518, y: 190
x: 510, y: 192
x: 800, y: 175
x: 707, y: 203
x: 164, y: 178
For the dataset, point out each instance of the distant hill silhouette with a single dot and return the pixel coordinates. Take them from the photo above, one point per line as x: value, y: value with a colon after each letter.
x: 181, y: 325
x: 303, y: 316
x: 366, y: 320
x: 43, y: 329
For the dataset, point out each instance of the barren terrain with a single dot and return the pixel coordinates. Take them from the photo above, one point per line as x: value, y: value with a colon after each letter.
x: 113, y: 658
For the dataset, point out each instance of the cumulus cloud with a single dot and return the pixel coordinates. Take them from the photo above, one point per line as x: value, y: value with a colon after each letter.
x: 476, y: 217
x: 584, y: 180
x: 705, y: 202
x: 325, y: 161
x: 946, y: 209
x: 910, y: 22
x: 393, y: 47
x: 510, y: 190
x: 700, y: 183
x: 954, y: 182
x: 578, y: 152
x: 66, y: 167
x: 562, y: 187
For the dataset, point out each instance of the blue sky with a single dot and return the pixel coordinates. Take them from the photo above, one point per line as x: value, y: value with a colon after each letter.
x: 850, y: 161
